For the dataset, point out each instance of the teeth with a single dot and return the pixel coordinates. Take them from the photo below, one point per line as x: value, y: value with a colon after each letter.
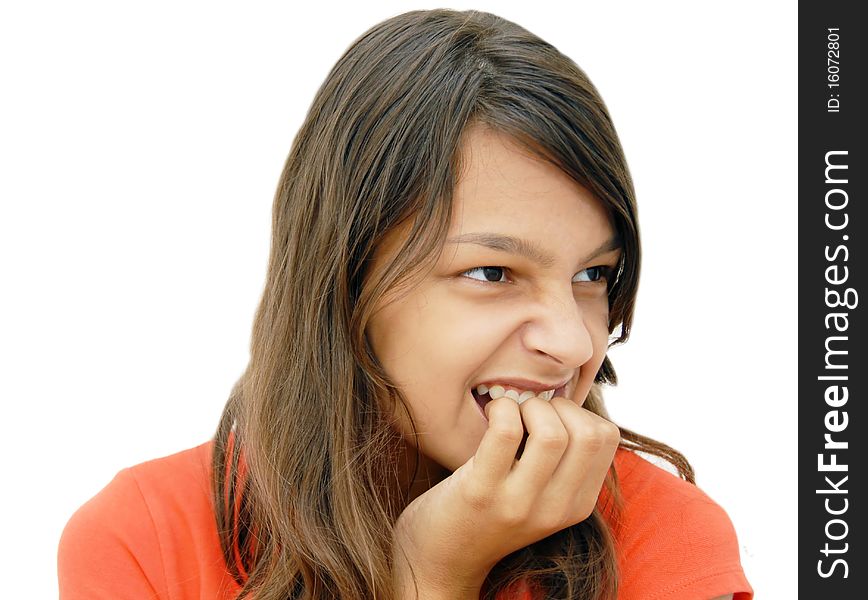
x: 527, y: 396
x: 498, y: 391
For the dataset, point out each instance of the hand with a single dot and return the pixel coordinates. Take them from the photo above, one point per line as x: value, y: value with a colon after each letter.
x: 493, y: 504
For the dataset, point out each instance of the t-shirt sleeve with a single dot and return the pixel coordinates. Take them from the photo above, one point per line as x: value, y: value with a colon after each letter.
x: 680, y: 544
x: 109, y: 549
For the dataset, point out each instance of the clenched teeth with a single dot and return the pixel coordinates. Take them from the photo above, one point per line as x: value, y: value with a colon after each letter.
x: 498, y: 391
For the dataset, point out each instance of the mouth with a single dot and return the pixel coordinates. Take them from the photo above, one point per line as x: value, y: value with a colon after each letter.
x: 483, y: 399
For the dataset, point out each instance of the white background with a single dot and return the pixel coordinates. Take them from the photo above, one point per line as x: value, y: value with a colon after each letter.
x: 140, y: 146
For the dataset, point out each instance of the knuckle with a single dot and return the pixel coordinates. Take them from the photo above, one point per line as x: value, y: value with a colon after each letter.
x: 514, y: 514
x: 506, y: 434
x: 601, y: 435
x: 553, y: 439
x: 612, y: 433
x: 553, y: 520
x: 478, y: 497
x: 585, y: 507
x: 594, y: 441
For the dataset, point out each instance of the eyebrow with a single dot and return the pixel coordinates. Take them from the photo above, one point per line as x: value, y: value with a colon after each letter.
x: 529, y: 250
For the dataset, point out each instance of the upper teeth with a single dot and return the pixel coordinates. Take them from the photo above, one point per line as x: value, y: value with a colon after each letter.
x: 498, y: 391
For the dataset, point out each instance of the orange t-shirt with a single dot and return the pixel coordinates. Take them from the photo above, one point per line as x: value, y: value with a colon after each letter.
x: 151, y: 533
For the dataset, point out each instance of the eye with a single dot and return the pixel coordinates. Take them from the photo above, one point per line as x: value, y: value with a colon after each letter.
x: 487, y: 273
x: 598, y: 273
x: 492, y: 274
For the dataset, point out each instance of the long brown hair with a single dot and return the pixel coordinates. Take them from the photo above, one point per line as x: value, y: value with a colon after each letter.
x: 305, y: 464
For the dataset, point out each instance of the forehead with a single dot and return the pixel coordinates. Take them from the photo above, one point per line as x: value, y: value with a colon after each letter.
x: 504, y: 186
x: 504, y: 189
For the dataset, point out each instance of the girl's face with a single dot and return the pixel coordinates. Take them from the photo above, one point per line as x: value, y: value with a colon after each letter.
x: 522, y: 297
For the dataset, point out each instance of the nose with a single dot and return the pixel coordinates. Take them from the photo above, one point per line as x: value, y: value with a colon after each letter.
x: 556, y: 326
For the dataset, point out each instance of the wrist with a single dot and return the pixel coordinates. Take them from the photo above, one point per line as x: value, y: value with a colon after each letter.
x: 424, y: 591
x: 415, y: 578
x: 412, y: 584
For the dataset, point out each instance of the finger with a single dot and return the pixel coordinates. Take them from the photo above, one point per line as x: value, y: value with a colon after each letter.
x: 546, y: 441
x: 496, y: 453
x: 593, y: 441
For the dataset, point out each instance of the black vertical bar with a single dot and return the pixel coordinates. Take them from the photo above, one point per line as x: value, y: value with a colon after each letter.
x: 832, y: 362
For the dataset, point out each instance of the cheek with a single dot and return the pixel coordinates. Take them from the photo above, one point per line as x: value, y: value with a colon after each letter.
x: 425, y: 346
x: 597, y: 324
x: 599, y: 330
x: 595, y: 313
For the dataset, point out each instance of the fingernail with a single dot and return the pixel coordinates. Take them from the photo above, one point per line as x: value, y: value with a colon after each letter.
x: 486, y: 407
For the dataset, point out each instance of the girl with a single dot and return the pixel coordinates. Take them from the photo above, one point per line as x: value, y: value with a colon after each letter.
x: 454, y: 240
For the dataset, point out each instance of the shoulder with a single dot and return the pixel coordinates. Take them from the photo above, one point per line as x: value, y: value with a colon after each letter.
x: 150, y: 530
x: 672, y: 538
